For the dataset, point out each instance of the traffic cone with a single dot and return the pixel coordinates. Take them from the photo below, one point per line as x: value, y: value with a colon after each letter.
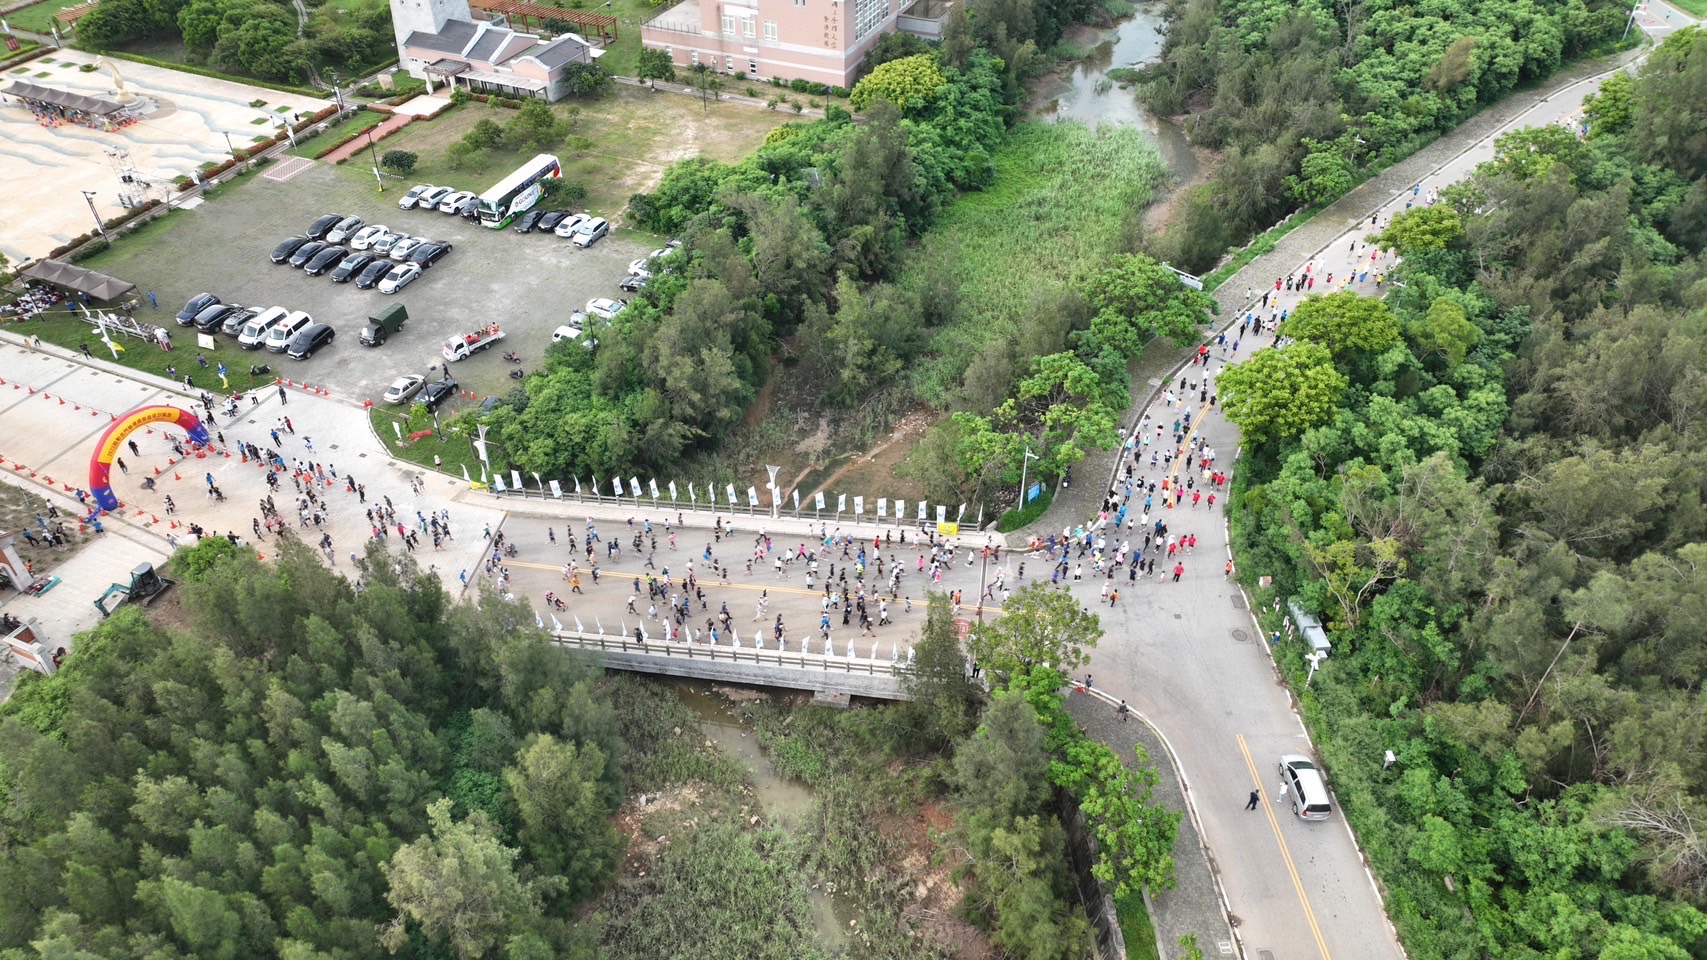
x: 176, y: 477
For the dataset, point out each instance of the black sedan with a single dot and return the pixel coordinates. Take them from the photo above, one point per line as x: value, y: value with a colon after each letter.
x: 429, y: 253
x: 306, y: 252
x: 373, y: 273
x: 437, y: 392
x: 550, y: 221
x: 213, y: 318
x: 325, y: 260
x: 321, y: 227
x: 352, y: 265
x: 633, y: 283
x: 236, y: 321
x: 282, y: 252
x: 527, y: 221
x: 309, y: 339
x: 197, y: 304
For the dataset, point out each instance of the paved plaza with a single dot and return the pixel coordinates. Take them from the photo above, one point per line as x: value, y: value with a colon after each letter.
x: 44, y: 170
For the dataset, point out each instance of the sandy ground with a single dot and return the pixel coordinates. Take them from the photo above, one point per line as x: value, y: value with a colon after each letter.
x: 44, y: 170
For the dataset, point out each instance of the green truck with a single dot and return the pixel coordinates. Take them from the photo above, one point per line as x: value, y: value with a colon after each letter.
x: 383, y: 324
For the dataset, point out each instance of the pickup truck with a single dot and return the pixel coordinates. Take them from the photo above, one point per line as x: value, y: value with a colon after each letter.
x: 467, y: 345
x: 383, y: 324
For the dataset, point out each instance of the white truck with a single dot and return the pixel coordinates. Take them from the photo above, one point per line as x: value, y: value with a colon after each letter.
x: 469, y: 344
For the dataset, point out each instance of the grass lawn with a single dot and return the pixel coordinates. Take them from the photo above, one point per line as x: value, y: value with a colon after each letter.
x: 1136, y: 928
x: 454, y: 451
x: 635, y: 134
x: 357, y: 122
x: 1697, y: 8
x: 38, y: 18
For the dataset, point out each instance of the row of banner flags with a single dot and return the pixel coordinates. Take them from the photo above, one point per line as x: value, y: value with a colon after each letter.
x: 885, y: 506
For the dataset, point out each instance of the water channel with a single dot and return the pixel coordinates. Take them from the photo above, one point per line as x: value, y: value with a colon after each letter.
x: 785, y: 801
x: 1083, y: 91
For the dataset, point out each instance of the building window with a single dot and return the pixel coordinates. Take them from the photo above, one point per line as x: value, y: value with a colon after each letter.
x: 693, y: 58
x: 800, y: 3
x: 729, y: 24
x: 868, y: 16
x: 747, y: 27
x: 753, y: 69
x: 728, y: 64
x: 770, y: 30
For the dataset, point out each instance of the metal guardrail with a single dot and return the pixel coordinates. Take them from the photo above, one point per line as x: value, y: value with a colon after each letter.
x: 786, y: 659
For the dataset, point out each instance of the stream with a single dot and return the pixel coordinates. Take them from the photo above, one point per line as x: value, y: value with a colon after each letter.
x: 784, y: 800
x: 1083, y: 91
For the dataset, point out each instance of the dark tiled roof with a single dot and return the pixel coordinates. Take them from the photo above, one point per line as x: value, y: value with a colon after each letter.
x: 559, y: 52
x: 451, y: 39
x: 490, y: 41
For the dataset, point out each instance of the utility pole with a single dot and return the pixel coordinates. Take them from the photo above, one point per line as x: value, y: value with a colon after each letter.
x: 375, y: 155
x: 89, y: 197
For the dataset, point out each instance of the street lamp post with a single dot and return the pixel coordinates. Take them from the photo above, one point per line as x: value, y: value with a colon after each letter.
x: 229, y: 146
x: 375, y: 155
x: 1029, y: 456
x: 89, y: 197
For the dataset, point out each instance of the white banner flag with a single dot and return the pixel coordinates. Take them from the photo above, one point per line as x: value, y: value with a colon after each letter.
x: 752, y: 496
x: 498, y: 482
x: 557, y: 490
x: 654, y: 483
x: 819, y: 497
x: 921, y: 509
x: 672, y: 490
x: 900, y: 510
x: 516, y: 479
x: 616, y: 485
x: 961, y: 514
x: 577, y: 486
x: 841, y: 503
x: 634, y: 484
x: 882, y: 506
x: 859, y: 506
x: 796, y: 499
x: 692, y: 494
x: 941, y: 513
x: 729, y: 488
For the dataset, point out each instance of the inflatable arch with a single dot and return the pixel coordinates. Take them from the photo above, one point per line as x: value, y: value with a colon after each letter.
x: 101, y: 464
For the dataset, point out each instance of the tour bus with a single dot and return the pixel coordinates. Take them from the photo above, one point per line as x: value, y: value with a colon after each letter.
x: 518, y: 191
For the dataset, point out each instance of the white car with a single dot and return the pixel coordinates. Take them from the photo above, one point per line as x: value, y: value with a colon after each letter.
x: 590, y: 232
x: 454, y: 202
x: 399, y: 277
x: 637, y: 268
x: 570, y: 330
x: 605, y: 307
x: 401, y: 249
x: 414, y: 196
x: 403, y: 388
x: 345, y: 229
x: 383, y: 245
x: 365, y: 237
x: 567, y: 227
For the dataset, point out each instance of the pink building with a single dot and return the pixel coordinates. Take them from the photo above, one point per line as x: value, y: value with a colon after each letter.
x: 813, y: 40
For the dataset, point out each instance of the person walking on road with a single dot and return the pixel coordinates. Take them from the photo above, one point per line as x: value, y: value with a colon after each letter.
x: 1280, y: 798
x: 1252, y: 803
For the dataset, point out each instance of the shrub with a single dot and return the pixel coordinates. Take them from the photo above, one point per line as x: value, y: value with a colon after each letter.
x: 1015, y: 519
x: 798, y: 85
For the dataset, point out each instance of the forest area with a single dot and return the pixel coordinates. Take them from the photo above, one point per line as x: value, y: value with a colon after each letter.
x: 1302, y: 100
x: 1490, y: 486
x: 282, y: 762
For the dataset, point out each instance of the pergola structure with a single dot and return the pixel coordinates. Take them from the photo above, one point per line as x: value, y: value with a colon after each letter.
x: 589, y: 24
x: 70, y: 15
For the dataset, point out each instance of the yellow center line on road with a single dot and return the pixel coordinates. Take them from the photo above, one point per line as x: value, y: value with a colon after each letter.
x: 1285, y: 854
x: 708, y: 585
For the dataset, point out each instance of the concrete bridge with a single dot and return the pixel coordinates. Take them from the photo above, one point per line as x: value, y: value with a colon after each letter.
x: 874, y: 669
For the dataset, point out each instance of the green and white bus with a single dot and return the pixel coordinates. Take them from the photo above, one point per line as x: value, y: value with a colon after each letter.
x: 518, y: 192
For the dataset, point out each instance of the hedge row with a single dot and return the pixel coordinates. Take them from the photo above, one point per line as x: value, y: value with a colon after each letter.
x: 28, y: 50
x: 111, y: 225
x: 341, y: 141
x: 248, y: 153
x: 205, y: 72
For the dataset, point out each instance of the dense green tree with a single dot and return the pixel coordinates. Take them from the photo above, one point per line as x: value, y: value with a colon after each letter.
x: 655, y: 64
x: 536, y: 126
x: 560, y: 801
x: 1137, y: 298
x: 1038, y: 627
x: 1348, y: 324
x: 945, y: 699
x: 910, y: 83
x: 1281, y: 393
x: 402, y: 161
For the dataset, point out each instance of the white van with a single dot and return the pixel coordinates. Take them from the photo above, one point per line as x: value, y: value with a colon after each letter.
x: 283, y: 332
x: 255, y: 331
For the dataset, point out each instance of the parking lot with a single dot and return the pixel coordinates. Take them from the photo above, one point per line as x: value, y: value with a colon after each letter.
x: 527, y: 284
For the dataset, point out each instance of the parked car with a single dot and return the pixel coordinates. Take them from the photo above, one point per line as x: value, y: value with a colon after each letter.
x: 1305, y: 787
x: 321, y: 227
x: 590, y: 232
x: 365, y: 237
x: 254, y: 332
x: 431, y: 199
x: 235, y: 321
x: 346, y: 228
x: 638, y: 267
x: 605, y: 308
x: 290, y: 245
x: 325, y: 260
x: 567, y: 227
x: 196, y: 304
x: 282, y: 333
x: 383, y: 245
x: 467, y: 207
x: 400, y: 276
x: 309, y: 339
x: 550, y: 221
x: 351, y: 265
x: 373, y: 273
x: 429, y: 253
x: 527, y: 221
x: 413, y: 197
x: 401, y: 249
x: 306, y: 252
x: 403, y: 388
x: 437, y: 392
x: 634, y: 282
x: 451, y: 203
x: 214, y: 317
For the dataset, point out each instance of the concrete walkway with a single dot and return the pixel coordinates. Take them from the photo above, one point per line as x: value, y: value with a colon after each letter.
x: 397, y: 122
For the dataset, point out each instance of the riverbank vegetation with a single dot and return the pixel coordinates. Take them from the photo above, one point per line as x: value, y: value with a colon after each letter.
x: 1301, y: 97
x: 1494, y: 500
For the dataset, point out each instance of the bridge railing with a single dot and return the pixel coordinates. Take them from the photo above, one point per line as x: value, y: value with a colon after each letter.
x: 894, y: 665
